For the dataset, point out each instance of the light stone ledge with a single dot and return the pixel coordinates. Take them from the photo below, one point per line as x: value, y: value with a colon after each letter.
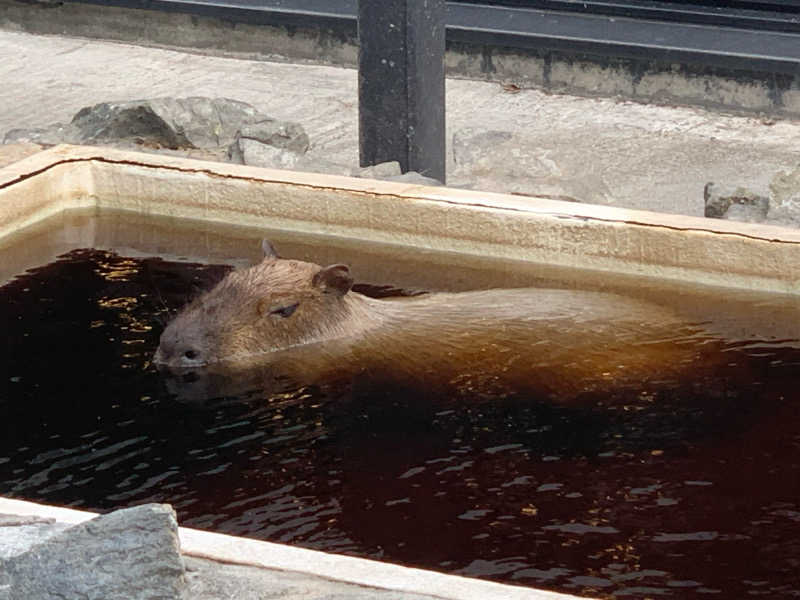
x: 345, y: 569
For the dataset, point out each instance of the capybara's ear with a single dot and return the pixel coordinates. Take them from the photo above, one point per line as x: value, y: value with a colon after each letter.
x: 269, y: 250
x: 334, y: 279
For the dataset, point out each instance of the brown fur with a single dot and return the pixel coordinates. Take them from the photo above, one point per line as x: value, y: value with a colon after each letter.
x: 558, y: 342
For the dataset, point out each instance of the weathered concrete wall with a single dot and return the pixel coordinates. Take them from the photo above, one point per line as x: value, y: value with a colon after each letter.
x: 534, y: 230
x: 555, y: 71
x: 204, y: 34
x: 646, y: 81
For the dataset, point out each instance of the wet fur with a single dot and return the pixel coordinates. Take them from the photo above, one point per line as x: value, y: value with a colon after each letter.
x: 558, y: 342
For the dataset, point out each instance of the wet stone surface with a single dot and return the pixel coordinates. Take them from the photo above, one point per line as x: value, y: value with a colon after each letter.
x: 133, y: 554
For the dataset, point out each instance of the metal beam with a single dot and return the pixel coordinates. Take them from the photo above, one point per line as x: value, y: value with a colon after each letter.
x: 401, y: 84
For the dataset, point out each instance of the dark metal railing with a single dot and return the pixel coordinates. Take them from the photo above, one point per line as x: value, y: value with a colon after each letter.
x: 401, y: 84
x: 402, y: 107
x: 772, y: 16
x: 732, y: 37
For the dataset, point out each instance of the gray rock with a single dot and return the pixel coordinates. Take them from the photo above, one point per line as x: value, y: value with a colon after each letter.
x: 269, y: 143
x: 748, y: 213
x: 785, y: 198
x: 173, y: 123
x: 256, y: 154
x: 129, y: 554
x: 126, y: 121
x: 280, y: 134
x: 414, y: 178
x: 391, y: 171
x: 206, y: 122
x: 735, y: 203
x: 380, y: 171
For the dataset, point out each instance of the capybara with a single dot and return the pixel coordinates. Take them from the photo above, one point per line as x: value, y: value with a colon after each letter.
x: 303, y: 321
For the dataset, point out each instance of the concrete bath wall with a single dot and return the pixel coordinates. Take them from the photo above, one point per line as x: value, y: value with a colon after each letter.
x: 626, y: 242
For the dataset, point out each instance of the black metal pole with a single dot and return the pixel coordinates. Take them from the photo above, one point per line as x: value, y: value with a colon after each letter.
x: 401, y: 84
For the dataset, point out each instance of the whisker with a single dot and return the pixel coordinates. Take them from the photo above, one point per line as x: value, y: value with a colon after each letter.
x: 156, y: 288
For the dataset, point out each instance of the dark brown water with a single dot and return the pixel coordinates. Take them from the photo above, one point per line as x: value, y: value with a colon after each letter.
x: 683, y: 492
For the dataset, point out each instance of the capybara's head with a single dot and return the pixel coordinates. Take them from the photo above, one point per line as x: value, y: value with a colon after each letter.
x: 274, y: 305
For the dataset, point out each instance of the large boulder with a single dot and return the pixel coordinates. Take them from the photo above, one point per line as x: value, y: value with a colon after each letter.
x: 173, y: 123
x: 206, y: 122
x: 127, y: 121
x: 130, y: 554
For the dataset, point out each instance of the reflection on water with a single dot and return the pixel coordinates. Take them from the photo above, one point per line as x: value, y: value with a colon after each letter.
x: 683, y: 491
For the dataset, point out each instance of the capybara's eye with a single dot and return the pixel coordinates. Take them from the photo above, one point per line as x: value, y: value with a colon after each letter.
x: 285, y: 311
x: 190, y: 354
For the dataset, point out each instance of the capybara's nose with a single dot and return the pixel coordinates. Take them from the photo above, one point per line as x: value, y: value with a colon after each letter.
x: 163, y: 353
